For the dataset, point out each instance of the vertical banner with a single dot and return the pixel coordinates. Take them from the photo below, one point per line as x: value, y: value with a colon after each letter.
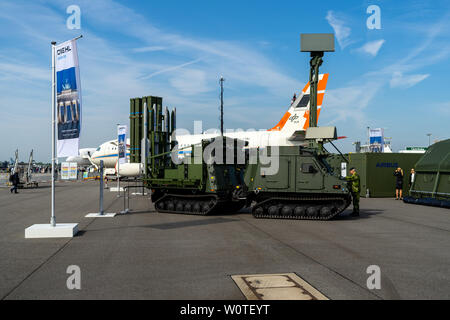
x: 65, y: 170
x: 73, y: 171
x: 68, y: 99
x: 376, y: 140
x: 69, y: 170
x: 122, y: 143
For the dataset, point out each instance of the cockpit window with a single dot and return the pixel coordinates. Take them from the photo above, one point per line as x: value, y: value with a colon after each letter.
x: 98, y: 149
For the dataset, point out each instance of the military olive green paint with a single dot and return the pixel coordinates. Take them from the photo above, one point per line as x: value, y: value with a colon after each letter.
x: 132, y: 153
x: 291, y: 176
x: 376, y: 171
x: 432, y: 178
x: 136, y: 123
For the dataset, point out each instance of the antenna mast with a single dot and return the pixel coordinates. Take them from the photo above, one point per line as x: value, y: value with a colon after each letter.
x: 221, y: 105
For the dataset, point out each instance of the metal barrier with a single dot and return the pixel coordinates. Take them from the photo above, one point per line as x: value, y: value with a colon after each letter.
x: 126, y: 196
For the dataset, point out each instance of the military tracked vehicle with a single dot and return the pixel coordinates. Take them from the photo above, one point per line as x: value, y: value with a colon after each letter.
x: 223, y: 175
x: 305, y: 186
x: 202, y: 183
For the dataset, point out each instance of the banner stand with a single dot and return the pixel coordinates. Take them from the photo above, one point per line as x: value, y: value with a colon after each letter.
x: 121, y: 155
x: 100, y: 213
x: 53, y: 230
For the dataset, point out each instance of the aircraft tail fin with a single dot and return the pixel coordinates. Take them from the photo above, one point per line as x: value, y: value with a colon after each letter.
x: 297, y: 116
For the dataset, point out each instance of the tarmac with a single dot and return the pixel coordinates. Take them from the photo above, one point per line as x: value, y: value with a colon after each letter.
x: 147, y: 255
x: 38, y: 177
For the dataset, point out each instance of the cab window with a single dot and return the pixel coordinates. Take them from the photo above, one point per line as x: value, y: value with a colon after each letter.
x: 308, y: 168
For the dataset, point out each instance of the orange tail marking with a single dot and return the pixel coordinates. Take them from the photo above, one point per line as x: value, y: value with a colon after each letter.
x: 321, y: 86
x: 282, y: 122
x: 320, y: 98
x: 306, y: 116
x: 306, y: 87
x: 323, y: 83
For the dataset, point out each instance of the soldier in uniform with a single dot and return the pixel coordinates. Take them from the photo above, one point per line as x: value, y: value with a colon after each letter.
x: 354, y: 187
x: 15, y: 180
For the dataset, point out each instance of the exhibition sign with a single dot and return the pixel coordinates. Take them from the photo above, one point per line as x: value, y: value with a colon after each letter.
x: 68, y: 99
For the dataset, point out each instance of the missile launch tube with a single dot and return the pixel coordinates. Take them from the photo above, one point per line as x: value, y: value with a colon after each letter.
x: 144, y: 136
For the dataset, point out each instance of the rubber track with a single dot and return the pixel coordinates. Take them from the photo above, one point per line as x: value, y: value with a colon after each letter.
x: 218, y: 204
x: 300, y: 200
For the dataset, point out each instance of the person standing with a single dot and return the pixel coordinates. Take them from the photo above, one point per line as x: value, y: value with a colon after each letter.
x: 398, y: 173
x: 355, y: 188
x: 412, y: 176
x: 293, y: 98
x: 14, y: 179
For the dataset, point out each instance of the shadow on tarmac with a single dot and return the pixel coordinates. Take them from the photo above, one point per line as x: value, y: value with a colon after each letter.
x: 184, y: 224
x: 167, y: 226
x: 363, y: 214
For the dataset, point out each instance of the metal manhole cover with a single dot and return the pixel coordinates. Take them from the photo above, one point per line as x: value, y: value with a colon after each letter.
x: 280, y: 286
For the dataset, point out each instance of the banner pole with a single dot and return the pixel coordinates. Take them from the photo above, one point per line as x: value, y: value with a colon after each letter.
x: 53, y: 218
x: 52, y: 229
x: 118, y: 163
x: 101, y: 188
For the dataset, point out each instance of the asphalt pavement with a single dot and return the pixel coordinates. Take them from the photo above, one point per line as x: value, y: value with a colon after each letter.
x: 147, y: 255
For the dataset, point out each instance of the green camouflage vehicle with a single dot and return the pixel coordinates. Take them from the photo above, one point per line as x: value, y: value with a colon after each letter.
x: 303, y: 185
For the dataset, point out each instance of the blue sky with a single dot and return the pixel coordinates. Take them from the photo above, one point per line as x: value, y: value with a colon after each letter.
x: 395, y: 77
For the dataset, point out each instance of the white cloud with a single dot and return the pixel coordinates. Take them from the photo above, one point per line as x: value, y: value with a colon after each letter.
x: 237, y: 61
x: 372, y: 47
x: 190, y: 82
x: 168, y: 69
x: 348, y: 103
x: 150, y: 49
x: 342, y: 32
x: 16, y: 70
x: 399, y: 80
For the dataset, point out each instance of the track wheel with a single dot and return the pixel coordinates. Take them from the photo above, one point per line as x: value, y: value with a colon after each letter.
x: 286, y: 210
x: 325, y: 211
x: 205, y: 207
x: 188, y: 207
x: 170, y: 205
x: 196, y: 207
x: 273, y: 210
x: 160, y: 205
x: 179, y: 207
x: 312, y: 211
x: 259, y: 211
x: 299, y: 211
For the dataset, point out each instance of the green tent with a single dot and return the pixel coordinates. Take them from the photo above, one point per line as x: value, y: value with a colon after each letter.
x: 432, y: 182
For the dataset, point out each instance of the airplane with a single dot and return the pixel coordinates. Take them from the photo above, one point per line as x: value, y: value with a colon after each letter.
x: 82, y: 159
x: 289, y: 131
x: 107, y: 152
